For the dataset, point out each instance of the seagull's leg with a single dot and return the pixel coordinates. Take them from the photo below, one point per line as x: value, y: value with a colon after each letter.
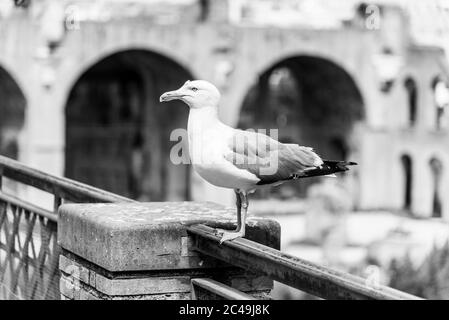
x: 245, y: 205
x: 238, y: 204
x: 242, y: 207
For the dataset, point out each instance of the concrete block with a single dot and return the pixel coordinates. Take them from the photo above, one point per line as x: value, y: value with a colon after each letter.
x: 148, y: 236
x: 141, y: 251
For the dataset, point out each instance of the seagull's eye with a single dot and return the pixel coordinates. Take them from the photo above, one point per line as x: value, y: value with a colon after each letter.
x: 194, y: 89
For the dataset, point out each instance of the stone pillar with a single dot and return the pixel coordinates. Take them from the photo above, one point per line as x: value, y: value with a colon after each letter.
x: 143, y: 251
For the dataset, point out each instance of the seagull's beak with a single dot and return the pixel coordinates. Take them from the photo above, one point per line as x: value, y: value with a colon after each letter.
x: 172, y: 95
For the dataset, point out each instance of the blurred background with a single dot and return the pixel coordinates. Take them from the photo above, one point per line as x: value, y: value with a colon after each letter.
x: 365, y: 82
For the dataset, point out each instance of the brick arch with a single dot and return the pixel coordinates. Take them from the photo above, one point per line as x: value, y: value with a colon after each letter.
x: 410, y: 85
x: 288, y: 54
x: 273, y: 63
x: 13, y: 108
x: 270, y: 63
x: 19, y: 78
x: 437, y: 167
x: 114, y: 106
x: 73, y: 74
x: 318, y: 104
x: 407, y: 168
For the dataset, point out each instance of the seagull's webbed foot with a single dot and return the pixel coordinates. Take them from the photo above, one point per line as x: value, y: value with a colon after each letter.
x: 242, y: 203
x: 231, y: 235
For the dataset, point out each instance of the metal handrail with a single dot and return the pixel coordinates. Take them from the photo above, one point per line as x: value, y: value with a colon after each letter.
x: 219, y: 289
x: 295, y: 272
x: 28, y: 206
x: 64, y: 188
x: 22, y: 216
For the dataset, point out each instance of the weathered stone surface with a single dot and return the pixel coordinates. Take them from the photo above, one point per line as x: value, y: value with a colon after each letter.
x: 148, y: 236
x: 86, y: 281
x: 142, y: 251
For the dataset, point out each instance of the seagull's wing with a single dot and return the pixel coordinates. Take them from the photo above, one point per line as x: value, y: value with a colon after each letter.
x: 268, y: 159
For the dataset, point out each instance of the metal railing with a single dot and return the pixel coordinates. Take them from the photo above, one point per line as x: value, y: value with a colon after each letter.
x: 204, y: 288
x: 298, y: 273
x: 29, y: 250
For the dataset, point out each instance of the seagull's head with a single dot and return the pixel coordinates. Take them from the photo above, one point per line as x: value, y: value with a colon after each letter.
x: 196, y: 94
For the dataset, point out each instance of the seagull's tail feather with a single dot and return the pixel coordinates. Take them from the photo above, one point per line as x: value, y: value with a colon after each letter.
x: 329, y: 167
x: 338, y: 165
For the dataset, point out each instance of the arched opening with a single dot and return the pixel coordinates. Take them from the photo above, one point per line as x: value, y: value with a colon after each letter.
x: 441, y: 101
x: 204, y: 10
x: 311, y: 101
x: 117, y: 132
x: 12, y: 110
x: 412, y: 99
x: 436, y: 166
x: 407, y: 169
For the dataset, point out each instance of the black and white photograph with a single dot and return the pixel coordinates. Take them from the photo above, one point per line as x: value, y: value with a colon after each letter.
x: 205, y: 151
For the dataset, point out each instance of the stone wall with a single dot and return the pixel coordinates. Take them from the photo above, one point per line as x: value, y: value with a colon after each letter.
x: 234, y: 56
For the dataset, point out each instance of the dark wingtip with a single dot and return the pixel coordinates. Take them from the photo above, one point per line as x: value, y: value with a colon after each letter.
x: 343, y: 165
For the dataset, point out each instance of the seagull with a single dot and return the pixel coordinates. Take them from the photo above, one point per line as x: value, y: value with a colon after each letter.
x: 240, y: 159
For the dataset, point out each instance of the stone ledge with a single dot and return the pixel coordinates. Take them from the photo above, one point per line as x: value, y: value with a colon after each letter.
x: 80, y: 291
x: 79, y: 282
x: 149, y: 236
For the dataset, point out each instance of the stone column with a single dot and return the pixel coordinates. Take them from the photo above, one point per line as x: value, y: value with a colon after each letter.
x: 143, y: 251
